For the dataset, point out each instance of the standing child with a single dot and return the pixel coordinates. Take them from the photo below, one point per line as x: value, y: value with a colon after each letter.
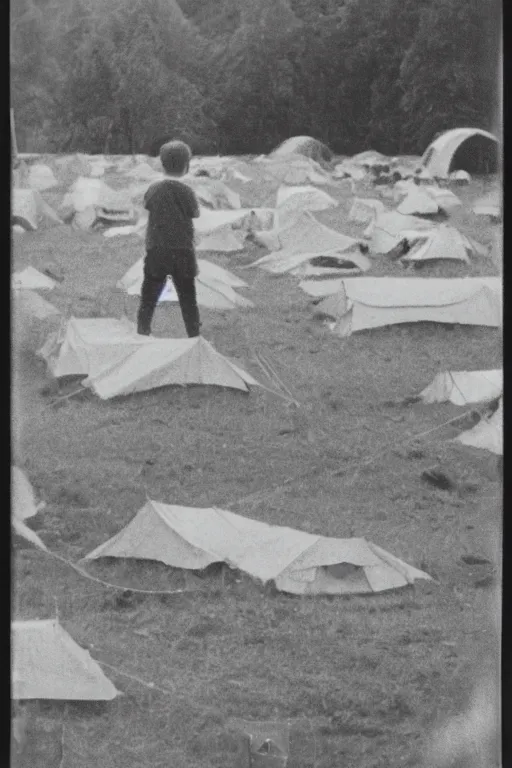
x: 170, y: 241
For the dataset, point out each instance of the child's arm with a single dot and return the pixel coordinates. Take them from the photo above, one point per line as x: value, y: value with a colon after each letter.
x: 194, y: 205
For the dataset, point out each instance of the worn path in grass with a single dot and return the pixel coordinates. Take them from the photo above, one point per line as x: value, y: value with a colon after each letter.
x: 361, y: 679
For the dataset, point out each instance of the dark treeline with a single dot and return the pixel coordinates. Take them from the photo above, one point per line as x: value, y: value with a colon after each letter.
x: 240, y: 76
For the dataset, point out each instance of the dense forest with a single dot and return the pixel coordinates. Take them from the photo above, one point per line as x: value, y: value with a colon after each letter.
x: 240, y: 76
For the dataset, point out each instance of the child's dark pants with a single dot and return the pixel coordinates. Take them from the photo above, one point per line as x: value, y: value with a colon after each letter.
x: 182, y: 270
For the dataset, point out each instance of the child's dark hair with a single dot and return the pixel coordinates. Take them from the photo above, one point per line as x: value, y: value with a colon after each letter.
x: 175, y: 156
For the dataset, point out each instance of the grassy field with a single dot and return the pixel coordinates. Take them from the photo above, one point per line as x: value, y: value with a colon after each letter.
x: 362, y: 680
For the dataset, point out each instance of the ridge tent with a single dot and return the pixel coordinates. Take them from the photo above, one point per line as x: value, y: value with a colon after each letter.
x: 363, y: 303
x: 221, y: 241
x: 144, y: 172
x: 464, y: 387
x: 306, y: 146
x: 23, y: 496
x: 23, y: 506
x: 214, y: 286
x: 304, y: 238
x: 386, y: 229
x: 91, y: 199
x: 298, y: 562
x: 468, y: 149
x: 41, y: 177
x: 369, y: 158
x: 346, y: 169
x: 487, y: 434
x: 30, y: 211
x: 213, y: 192
x: 293, y: 170
x: 303, y: 198
x: 445, y: 198
x: 117, y: 361
x: 442, y: 243
x: 48, y: 664
x: 31, y: 278
x: 418, y: 202
x: 364, y: 210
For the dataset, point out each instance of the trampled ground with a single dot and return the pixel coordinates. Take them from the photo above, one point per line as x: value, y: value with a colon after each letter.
x: 362, y: 680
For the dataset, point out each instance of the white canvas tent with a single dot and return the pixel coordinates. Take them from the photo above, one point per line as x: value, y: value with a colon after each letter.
x: 364, y: 210
x: 31, y: 279
x: 418, y: 202
x: 24, y: 506
x: 363, y: 303
x: 303, y: 198
x: 214, y: 286
x: 385, y: 231
x: 293, y: 169
x: 41, y: 177
x: 345, y: 168
x: 439, y: 155
x: 369, y: 158
x: 464, y: 387
x: 303, y: 145
x: 487, y: 434
x: 30, y: 211
x: 298, y: 562
x: 91, y: 199
x: 48, y: 664
x: 440, y: 244
x: 117, y: 361
x: 23, y: 498
x: 445, y: 198
x: 305, y: 237
x: 213, y: 192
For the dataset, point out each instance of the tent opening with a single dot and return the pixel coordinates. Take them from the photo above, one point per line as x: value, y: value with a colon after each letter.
x: 478, y: 155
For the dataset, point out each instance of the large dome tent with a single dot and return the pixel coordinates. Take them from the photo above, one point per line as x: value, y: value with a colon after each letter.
x: 306, y: 146
x: 467, y: 149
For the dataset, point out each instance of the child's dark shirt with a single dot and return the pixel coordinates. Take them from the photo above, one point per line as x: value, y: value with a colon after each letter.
x: 172, y: 206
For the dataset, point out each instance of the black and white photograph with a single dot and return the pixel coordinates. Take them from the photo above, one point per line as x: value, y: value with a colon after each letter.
x: 256, y: 383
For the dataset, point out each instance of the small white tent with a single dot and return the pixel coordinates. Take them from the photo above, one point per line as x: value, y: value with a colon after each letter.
x: 41, y: 177
x: 30, y: 211
x: 298, y: 562
x: 90, y: 200
x: 117, y: 361
x: 213, y: 192
x: 445, y: 198
x: 293, y: 169
x: 418, y: 203
x: 306, y: 146
x: 303, y: 198
x: 385, y: 231
x: 487, y: 434
x: 441, y: 244
x: 48, y: 664
x: 442, y: 156
x: 464, y: 387
x: 30, y: 278
x: 214, y: 286
x: 304, y: 238
x: 24, y: 506
x: 363, y: 303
